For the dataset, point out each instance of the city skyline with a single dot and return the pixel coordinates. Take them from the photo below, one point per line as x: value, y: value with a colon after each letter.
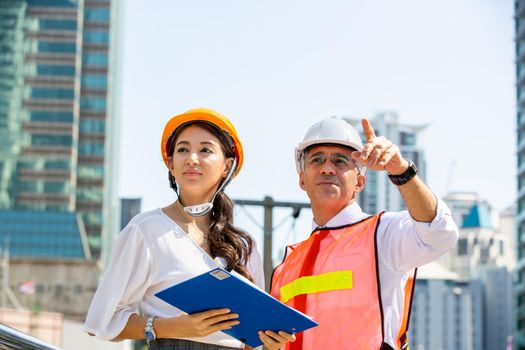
x: 275, y: 69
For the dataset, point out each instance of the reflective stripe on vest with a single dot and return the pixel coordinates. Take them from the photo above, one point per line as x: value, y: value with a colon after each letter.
x: 333, y: 277
x: 316, y: 284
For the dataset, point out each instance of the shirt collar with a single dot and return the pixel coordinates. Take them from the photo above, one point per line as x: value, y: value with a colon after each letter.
x: 348, y: 215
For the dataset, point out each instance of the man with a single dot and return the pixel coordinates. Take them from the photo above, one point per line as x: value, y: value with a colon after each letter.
x: 355, y: 274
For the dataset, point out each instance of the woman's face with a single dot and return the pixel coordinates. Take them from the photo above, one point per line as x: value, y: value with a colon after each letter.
x: 198, y: 162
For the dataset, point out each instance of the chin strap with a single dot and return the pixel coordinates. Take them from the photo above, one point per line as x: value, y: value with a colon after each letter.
x: 205, y: 208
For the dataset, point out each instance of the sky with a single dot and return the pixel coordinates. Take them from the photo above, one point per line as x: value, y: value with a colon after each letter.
x: 277, y: 67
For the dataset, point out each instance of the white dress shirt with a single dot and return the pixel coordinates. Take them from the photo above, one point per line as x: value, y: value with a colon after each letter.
x: 150, y: 254
x: 402, y: 245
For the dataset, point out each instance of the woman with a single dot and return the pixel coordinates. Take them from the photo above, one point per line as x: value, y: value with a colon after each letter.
x: 166, y: 246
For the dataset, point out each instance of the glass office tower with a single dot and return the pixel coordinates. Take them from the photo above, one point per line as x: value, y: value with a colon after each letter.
x: 57, y: 118
x: 379, y: 194
x: 519, y: 338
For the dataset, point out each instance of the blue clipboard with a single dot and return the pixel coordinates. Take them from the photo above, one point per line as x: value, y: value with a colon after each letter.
x: 257, y: 310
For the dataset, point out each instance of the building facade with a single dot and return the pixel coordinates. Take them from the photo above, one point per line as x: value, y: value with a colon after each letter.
x: 379, y: 194
x: 519, y: 14
x: 447, y: 313
x: 57, y: 114
x: 129, y: 207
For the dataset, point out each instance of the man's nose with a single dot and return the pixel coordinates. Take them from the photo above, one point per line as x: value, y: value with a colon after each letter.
x: 327, y: 168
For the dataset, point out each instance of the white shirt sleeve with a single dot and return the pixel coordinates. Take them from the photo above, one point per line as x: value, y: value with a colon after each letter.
x: 122, y: 286
x: 406, y: 243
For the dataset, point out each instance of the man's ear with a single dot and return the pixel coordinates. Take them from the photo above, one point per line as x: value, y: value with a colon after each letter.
x: 360, y: 183
x: 301, y: 181
x: 227, y: 166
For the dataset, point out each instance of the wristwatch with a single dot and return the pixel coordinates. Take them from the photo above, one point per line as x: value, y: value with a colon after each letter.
x: 406, y: 176
x: 149, y: 330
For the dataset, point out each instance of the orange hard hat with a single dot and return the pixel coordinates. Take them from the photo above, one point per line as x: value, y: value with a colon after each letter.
x: 204, y: 115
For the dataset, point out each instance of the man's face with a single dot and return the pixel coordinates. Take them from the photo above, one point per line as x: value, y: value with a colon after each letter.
x: 330, y: 176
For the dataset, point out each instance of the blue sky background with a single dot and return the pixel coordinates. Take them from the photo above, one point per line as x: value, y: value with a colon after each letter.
x: 276, y: 67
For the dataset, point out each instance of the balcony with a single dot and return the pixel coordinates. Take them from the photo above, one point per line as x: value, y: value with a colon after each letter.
x: 90, y: 159
x: 57, y: 36
x: 93, y: 137
x: 44, y: 175
x: 32, y: 197
x: 51, y: 58
x: 95, y: 182
x: 52, y: 12
x: 48, y: 128
x: 51, y: 81
x: 48, y: 151
x: 49, y: 104
x: 89, y: 205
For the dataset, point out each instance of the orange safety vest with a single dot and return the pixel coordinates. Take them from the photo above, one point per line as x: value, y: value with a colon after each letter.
x: 339, y: 287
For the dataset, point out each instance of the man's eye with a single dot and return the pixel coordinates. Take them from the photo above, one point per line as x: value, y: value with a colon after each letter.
x: 341, y: 161
x: 316, y: 160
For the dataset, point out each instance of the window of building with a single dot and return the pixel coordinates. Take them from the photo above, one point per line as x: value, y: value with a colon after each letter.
x: 91, y: 148
x: 56, y: 187
x: 92, y: 126
x: 57, y: 24
x: 53, y: 47
x: 89, y: 193
x: 95, y: 59
x: 407, y: 139
x: 52, y: 93
x: 48, y: 69
x: 96, y: 37
x: 78, y: 289
x: 463, y: 246
x: 91, y: 171
x: 57, y: 164
x: 94, y: 81
x: 92, y: 217
x: 55, y: 140
x: 96, y: 14
x: 44, y: 116
x: 95, y: 104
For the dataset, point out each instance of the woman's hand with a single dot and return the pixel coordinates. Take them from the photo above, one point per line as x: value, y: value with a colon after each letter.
x: 274, y: 341
x: 199, y: 324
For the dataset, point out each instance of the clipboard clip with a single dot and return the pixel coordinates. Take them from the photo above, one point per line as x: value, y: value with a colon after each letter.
x: 219, y: 274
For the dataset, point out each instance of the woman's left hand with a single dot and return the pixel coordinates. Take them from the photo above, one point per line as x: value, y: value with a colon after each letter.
x: 273, y: 340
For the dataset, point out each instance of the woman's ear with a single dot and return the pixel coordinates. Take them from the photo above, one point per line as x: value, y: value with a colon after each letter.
x: 227, y: 166
x: 170, y: 165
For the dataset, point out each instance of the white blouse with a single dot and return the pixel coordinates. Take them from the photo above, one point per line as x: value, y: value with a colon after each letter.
x: 150, y: 254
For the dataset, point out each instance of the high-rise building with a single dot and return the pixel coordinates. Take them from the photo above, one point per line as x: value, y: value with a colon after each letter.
x: 379, y: 194
x: 129, y: 207
x: 57, y: 114
x: 519, y: 15
x: 447, y: 313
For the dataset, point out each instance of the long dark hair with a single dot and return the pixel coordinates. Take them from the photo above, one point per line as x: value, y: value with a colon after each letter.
x: 224, y: 238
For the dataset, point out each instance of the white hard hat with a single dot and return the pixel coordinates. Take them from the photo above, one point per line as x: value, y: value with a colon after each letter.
x: 332, y: 130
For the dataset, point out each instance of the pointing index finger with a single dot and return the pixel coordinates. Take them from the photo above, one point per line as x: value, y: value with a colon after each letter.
x: 368, y: 129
